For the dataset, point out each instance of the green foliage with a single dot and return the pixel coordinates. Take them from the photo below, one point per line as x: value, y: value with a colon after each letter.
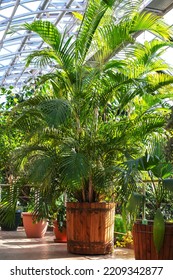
x: 8, y: 205
x: 154, y: 196
x: 158, y: 230
x: 9, y: 139
x: 96, y: 110
x: 94, y: 103
x: 119, y: 227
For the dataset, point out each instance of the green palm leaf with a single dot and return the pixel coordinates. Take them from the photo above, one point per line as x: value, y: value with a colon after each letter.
x: 92, y: 17
x: 55, y: 111
x: 74, y: 168
x: 47, y: 31
x: 42, y: 168
x: 158, y: 230
x: 168, y: 184
x: 150, y: 22
x: 42, y: 58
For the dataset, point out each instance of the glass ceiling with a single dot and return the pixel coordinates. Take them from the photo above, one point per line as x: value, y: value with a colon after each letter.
x: 15, y: 47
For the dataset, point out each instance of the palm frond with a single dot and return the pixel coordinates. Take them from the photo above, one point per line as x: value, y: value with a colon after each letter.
x: 149, y: 124
x: 158, y: 80
x: 47, y: 31
x: 112, y: 37
x: 55, y: 111
x: 74, y: 168
x: 42, y: 166
x: 150, y: 22
x: 42, y: 58
x: 8, y: 205
x: 150, y: 50
x: 61, y: 52
x: 28, y: 120
x: 92, y: 17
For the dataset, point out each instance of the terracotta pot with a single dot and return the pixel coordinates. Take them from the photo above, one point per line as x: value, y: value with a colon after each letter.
x: 144, y: 246
x: 33, y: 229
x: 61, y: 236
x: 90, y: 227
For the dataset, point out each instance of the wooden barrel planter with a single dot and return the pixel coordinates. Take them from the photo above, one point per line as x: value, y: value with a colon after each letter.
x: 144, y: 246
x: 90, y: 228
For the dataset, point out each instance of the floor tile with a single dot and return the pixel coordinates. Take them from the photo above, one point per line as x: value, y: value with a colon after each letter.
x: 14, y: 245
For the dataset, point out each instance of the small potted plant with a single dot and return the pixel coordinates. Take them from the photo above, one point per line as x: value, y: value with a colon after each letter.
x: 57, y: 216
x: 10, y: 209
x: 153, y: 229
x: 10, y: 218
x: 34, y: 217
x: 60, y: 225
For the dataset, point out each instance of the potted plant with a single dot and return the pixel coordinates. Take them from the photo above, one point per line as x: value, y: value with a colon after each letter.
x: 14, y: 218
x: 59, y: 228
x: 10, y: 209
x: 35, y: 221
x: 153, y: 230
x: 34, y: 227
x: 57, y: 216
x: 86, y: 117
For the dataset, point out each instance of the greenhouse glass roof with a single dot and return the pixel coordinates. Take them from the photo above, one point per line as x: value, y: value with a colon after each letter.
x: 15, y: 47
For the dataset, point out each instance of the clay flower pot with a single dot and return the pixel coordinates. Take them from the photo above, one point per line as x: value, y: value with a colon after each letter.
x: 34, y: 229
x: 61, y: 236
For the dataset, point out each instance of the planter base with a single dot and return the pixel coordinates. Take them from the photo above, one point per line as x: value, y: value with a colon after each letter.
x: 60, y: 241
x: 90, y: 248
x: 90, y: 228
x: 144, y: 246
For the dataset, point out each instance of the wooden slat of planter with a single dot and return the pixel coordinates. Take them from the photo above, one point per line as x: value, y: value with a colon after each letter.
x: 153, y: 255
x: 94, y: 221
x: 148, y: 242
x: 171, y: 246
x: 167, y: 251
x: 143, y: 240
x: 163, y: 252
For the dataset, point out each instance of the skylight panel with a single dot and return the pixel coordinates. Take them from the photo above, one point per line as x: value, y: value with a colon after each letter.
x: 145, y: 36
x: 32, y: 5
x: 5, y: 62
x: 168, y: 56
x: 7, y: 11
x: 168, y: 17
x: 1, y: 34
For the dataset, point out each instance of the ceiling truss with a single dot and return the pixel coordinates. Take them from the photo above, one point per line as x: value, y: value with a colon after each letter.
x: 15, y: 47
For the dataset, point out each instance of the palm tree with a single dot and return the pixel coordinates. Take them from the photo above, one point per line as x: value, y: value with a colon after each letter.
x: 94, y: 110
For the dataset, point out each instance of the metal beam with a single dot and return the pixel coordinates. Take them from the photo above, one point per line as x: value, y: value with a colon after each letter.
x: 159, y: 6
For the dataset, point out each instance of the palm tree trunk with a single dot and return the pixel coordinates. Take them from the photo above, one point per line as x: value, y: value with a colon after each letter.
x: 90, y: 195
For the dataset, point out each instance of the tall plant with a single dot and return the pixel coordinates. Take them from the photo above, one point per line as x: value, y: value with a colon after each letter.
x: 153, y: 195
x: 98, y: 109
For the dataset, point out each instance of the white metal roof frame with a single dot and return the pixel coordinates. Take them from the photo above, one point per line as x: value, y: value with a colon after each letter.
x: 15, y: 47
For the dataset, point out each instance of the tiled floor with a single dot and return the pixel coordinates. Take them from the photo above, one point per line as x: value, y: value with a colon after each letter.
x: 15, y: 246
